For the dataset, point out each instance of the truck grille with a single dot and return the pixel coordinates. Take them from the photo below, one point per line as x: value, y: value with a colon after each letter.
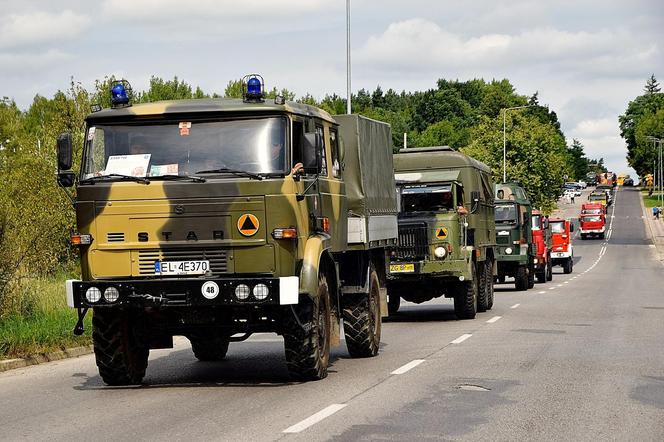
x: 115, y: 237
x: 147, y: 258
x: 503, y: 239
x: 413, y: 242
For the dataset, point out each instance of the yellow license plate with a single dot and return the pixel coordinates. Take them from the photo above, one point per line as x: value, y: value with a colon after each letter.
x: 402, y: 268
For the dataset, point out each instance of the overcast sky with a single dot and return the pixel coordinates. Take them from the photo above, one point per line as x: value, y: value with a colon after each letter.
x: 586, y: 58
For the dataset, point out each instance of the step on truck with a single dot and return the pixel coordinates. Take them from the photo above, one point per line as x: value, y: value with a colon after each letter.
x: 214, y: 219
x: 446, y: 231
x: 515, y: 252
x: 562, y: 252
x: 542, y: 240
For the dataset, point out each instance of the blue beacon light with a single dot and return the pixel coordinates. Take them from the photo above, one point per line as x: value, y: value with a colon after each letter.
x: 119, y: 96
x: 254, y: 87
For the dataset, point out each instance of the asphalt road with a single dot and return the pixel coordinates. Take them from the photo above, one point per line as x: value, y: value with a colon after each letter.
x: 579, y: 358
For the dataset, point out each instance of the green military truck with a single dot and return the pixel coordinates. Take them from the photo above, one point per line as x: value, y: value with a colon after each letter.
x: 515, y: 252
x: 214, y: 219
x: 446, y: 231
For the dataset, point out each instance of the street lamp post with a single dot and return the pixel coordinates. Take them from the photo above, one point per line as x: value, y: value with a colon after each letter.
x: 505, y: 138
x: 658, y: 172
x: 348, y: 108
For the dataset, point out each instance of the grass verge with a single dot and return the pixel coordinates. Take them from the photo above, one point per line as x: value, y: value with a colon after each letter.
x: 47, y: 326
x: 650, y: 201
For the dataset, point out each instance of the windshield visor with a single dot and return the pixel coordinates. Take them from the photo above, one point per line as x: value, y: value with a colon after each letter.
x: 591, y: 219
x: 506, y: 213
x: 427, y: 198
x: 186, y: 148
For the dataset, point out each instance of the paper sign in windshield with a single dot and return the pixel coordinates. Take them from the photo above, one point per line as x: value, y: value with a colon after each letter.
x: 132, y: 165
x: 164, y: 169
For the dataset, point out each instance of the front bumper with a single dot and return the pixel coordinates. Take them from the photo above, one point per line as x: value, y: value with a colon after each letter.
x: 587, y: 231
x: 557, y: 255
x: 453, y: 268
x: 184, y: 292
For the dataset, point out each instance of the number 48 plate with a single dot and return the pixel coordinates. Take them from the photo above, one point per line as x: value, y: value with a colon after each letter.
x: 181, y: 267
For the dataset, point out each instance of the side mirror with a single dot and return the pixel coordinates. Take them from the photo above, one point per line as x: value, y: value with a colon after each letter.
x: 311, y: 147
x: 64, y: 151
x: 66, y: 178
x: 571, y: 227
x: 475, y: 201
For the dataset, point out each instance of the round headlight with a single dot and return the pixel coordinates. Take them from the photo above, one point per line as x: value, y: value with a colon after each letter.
x: 242, y: 292
x: 93, y: 294
x: 440, y: 252
x: 111, y: 294
x: 261, y: 291
x: 508, y: 250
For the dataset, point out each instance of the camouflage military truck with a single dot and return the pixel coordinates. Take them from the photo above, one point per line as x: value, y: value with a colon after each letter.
x: 446, y: 231
x: 214, y: 219
x: 516, y: 252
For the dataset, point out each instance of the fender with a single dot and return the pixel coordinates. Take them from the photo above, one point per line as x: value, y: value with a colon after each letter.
x: 314, y: 249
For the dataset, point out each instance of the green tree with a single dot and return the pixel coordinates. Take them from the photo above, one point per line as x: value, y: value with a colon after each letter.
x: 652, y: 86
x: 578, y: 160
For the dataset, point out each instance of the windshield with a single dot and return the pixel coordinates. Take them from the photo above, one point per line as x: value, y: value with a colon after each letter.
x: 597, y: 197
x: 592, y: 218
x: 186, y: 148
x: 597, y: 211
x: 427, y: 198
x: 536, y: 222
x: 506, y: 213
x: 557, y: 227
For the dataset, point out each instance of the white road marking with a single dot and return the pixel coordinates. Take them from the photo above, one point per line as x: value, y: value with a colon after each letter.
x: 559, y: 285
x: 566, y: 282
x: 652, y: 246
x: 409, y: 366
x: 552, y: 288
x: 461, y: 338
x: 494, y: 319
x: 315, y: 418
x: 542, y: 292
x: 515, y: 305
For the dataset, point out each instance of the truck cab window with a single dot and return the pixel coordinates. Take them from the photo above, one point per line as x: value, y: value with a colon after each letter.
x: 336, y: 163
x: 323, y: 167
x: 298, y: 133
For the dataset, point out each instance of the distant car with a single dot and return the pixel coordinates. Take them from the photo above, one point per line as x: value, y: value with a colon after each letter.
x: 628, y: 182
x: 582, y: 184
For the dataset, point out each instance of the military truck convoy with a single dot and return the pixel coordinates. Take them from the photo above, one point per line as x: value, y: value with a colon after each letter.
x: 215, y: 219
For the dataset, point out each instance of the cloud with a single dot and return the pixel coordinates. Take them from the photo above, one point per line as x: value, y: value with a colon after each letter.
x: 595, y: 128
x: 19, y: 64
x: 420, y: 44
x: 154, y: 10
x: 36, y: 28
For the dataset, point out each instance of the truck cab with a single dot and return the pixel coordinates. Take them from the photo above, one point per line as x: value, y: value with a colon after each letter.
x: 515, y: 251
x: 592, y: 225
x: 542, y: 240
x: 562, y: 251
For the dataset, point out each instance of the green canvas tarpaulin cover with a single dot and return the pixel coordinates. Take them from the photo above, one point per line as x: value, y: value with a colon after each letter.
x: 368, y: 172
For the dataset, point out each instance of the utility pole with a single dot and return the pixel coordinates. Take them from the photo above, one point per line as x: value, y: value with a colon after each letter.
x: 348, y: 107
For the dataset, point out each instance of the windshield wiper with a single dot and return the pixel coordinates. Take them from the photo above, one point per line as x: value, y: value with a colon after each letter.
x: 242, y: 173
x: 196, y: 179
x: 94, y: 179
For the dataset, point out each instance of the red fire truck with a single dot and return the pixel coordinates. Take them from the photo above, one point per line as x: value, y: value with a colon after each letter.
x: 562, y: 251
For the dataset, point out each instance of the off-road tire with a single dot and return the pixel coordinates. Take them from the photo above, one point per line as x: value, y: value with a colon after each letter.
x: 393, y: 301
x: 531, y: 277
x: 488, y: 273
x: 602, y: 235
x: 308, y: 350
x: 549, y: 270
x: 568, y: 266
x: 482, y: 293
x: 501, y: 279
x: 465, y: 300
x: 521, y: 278
x: 120, y: 347
x: 213, y: 349
x: 362, y: 321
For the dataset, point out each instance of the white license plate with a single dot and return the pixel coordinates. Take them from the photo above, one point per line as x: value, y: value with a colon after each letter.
x: 181, y: 267
x: 557, y: 255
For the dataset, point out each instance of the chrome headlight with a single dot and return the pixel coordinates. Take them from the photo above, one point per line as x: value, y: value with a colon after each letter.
x: 111, y: 294
x: 261, y: 292
x: 440, y: 252
x: 242, y: 292
x: 508, y: 250
x: 93, y: 295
